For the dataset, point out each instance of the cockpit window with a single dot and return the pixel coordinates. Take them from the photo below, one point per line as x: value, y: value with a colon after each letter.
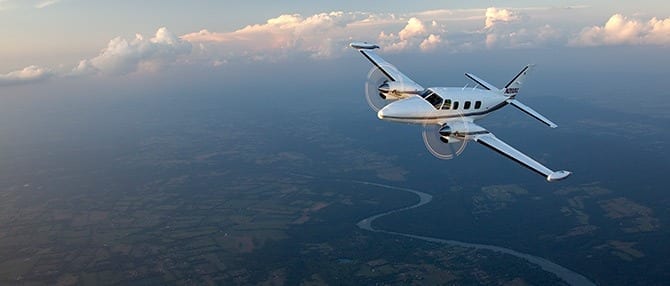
x: 435, y: 100
x: 426, y: 93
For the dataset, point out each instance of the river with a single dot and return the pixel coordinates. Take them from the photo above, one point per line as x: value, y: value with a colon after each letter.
x: 567, y: 275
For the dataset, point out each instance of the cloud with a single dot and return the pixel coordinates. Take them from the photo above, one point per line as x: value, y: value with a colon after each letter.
x: 507, y: 28
x: 494, y: 15
x: 620, y: 30
x: 413, y: 28
x: 320, y: 35
x: 46, y: 3
x: 29, y: 74
x: 413, y: 35
x: 123, y: 56
x: 326, y: 35
x: 323, y: 35
x: 431, y: 43
x: 525, y: 37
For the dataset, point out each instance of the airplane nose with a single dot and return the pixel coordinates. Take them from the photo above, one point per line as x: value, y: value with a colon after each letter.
x: 412, y: 107
x: 381, y: 113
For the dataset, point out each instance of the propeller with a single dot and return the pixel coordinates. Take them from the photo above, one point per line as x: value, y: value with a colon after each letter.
x: 374, y: 97
x: 443, y: 142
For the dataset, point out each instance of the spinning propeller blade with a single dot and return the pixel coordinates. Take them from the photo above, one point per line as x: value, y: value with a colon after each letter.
x: 375, y: 99
x: 442, y: 142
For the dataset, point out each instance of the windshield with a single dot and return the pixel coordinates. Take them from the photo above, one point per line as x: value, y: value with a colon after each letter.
x: 435, y: 100
x: 432, y: 97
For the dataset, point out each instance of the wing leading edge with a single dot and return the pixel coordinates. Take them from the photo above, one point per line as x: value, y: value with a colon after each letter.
x: 491, y: 141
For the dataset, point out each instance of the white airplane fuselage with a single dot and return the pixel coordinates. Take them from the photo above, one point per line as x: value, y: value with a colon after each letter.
x: 456, y: 103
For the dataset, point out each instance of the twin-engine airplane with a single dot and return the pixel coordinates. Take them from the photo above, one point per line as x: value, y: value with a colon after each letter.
x: 448, y: 113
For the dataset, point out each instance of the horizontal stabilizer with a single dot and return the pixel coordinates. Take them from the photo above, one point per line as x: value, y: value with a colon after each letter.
x: 481, y: 82
x: 531, y: 112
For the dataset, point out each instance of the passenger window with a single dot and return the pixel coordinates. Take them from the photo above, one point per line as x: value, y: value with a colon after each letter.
x: 455, y: 106
x: 478, y: 104
x: 435, y: 100
x: 447, y: 104
x: 466, y: 105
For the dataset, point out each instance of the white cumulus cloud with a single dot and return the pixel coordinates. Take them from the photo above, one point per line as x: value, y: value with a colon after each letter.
x: 29, y: 74
x: 320, y: 35
x: 327, y: 35
x: 414, y: 35
x: 431, y: 43
x: 495, y: 15
x: 413, y: 28
x: 621, y: 30
x: 323, y: 35
x: 123, y: 56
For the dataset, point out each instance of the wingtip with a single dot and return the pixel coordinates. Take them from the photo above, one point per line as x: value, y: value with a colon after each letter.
x: 558, y: 175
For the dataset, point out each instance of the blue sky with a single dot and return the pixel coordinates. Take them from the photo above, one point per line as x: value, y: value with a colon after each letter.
x: 47, y: 39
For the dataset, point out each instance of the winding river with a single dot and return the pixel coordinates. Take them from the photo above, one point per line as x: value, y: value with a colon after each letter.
x: 567, y: 275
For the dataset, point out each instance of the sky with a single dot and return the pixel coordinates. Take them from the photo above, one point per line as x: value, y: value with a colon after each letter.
x: 51, y: 39
x: 76, y: 73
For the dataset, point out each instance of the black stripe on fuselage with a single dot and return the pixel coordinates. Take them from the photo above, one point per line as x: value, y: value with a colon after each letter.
x: 492, y: 109
x: 517, y: 76
x: 532, y: 115
x: 511, y: 157
x: 379, y: 67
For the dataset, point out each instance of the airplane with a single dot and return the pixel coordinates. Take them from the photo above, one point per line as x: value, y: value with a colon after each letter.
x: 450, y: 110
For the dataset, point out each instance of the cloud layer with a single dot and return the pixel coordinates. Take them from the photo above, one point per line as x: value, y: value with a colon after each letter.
x: 321, y: 35
x: 495, y: 15
x: 326, y: 35
x: 27, y: 75
x: 620, y: 30
x: 122, y: 56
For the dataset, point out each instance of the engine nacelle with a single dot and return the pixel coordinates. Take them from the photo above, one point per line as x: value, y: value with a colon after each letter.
x: 446, y: 135
x: 445, y: 131
x: 396, y: 90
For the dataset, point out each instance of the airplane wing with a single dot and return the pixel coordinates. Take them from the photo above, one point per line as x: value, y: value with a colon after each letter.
x: 389, y: 70
x: 482, y: 136
x: 491, y: 141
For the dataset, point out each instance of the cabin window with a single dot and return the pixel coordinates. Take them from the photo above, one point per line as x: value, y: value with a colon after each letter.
x: 478, y: 104
x: 466, y: 105
x: 435, y: 100
x: 447, y: 104
x: 455, y: 106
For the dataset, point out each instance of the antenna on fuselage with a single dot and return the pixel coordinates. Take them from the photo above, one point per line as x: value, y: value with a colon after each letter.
x: 466, y: 86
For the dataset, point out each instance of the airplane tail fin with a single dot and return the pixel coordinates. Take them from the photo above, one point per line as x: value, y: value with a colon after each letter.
x: 512, y: 88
